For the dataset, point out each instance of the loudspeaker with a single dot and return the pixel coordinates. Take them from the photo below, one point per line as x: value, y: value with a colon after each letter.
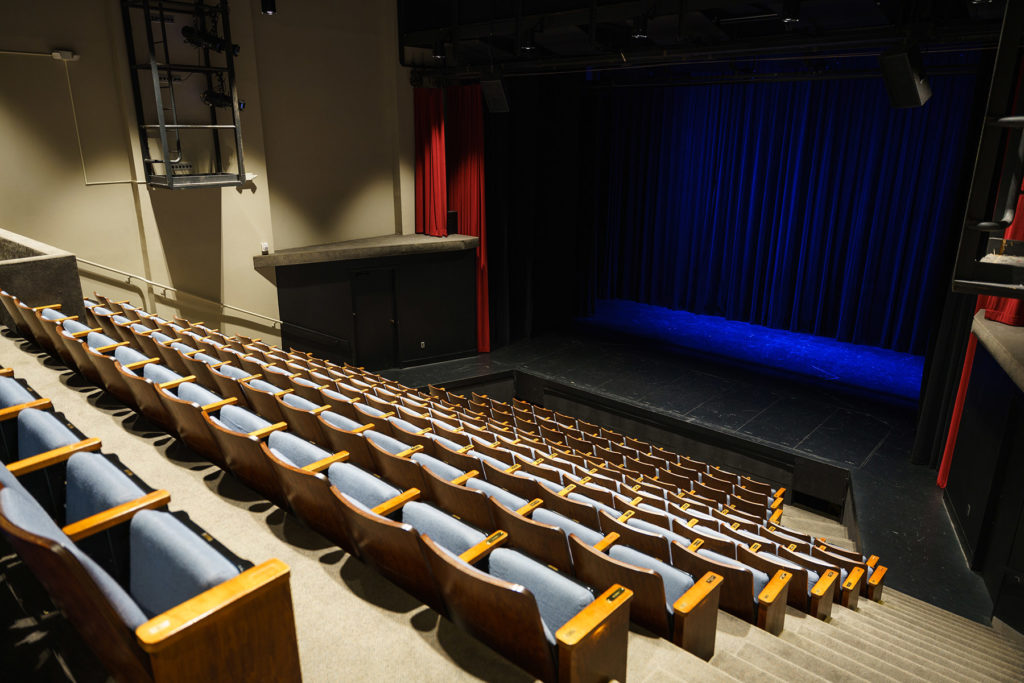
x: 903, y: 73
x: 453, y: 222
x: 494, y: 96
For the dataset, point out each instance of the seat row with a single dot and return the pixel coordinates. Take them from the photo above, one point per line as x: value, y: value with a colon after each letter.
x: 151, y: 593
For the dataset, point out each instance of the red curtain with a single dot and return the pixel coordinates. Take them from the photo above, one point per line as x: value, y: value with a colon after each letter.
x: 466, y: 188
x: 999, y: 309
x: 431, y: 193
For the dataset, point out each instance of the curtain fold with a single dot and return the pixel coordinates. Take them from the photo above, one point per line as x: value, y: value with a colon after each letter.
x: 431, y: 185
x: 807, y: 206
x: 466, y: 188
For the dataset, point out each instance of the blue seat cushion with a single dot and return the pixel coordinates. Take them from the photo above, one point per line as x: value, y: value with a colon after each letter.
x: 40, y: 431
x: 95, y: 340
x: 359, y: 485
x: 140, y: 328
x: 298, y: 402
x: 126, y: 355
x: 568, y: 526
x: 170, y: 563
x: 23, y: 511
x: 303, y: 382
x: 385, y: 442
x: 579, y: 498
x: 707, y: 531
x: 160, y: 337
x: 193, y: 393
x: 277, y: 370
x: 206, y: 358
x: 260, y: 385
x: 644, y: 525
x: 403, y: 425
x: 339, y: 421
x: 760, y: 578
x: 182, y: 348
x: 95, y: 484
x: 120, y: 320
x: 558, y: 597
x: 812, y: 576
x: 490, y: 460
x: 443, y: 529
x: 446, y: 443
x: 158, y: 374
x: 509, y: 500
x: 334, y: 396
x: 676, y: 582
x: 100, y: 310
x: 441, y: 469
x: 51, y: 314
x: 12, y: 393
x: 74, y: 327
x: 239, y: 420
x: 369, y: 411
x: 842, y: 572
x: 294, y: 450
x: 232, y: 372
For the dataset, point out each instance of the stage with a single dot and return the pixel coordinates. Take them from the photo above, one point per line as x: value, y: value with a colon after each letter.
x: 842, y: 453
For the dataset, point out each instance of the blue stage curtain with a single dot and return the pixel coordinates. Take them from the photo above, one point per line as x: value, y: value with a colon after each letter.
x: 811, y: 206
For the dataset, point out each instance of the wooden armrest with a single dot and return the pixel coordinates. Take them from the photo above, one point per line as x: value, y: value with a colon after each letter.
x: 539, y: 460
x: 593, y: 615
x: 102, y: 521
x: 118, y: 303
x: 109, y: 347
x: 294, y: 375
x: 260, y: 433
x: 6, y: 372
x: 83, y: 333
x: 825, y: 584
x: 217, y: 405
x: 781, y: 492
x: 606, y: 542
x: 878, y: 575
x: 55, y: 307
x: 146, y: 333
x: 853, y: 578
x: 175, y: 382
x: 363, y: 428
x: 465, y: 449
x: 60, y: 320
x: 481, y: 549
x: 249, y: 378
x: 775, y: 504
x: 12, y: 412
x: 324, y: 463
x: 776, y: 516
x: 872, y: 561
x: 693, y: 597
x: 388, y: 414
x: 214, y: 366
x: 139, y: 363
x: 754, y: 547
x: 45, y: 459
x: 636, y: 501
x: 389, y: 506
x: 697, y: 543
x: 320, y: 409
x: 512, y: 470
x: 167, y: 344
x: 463, y: 478
x: 774, y: 587
x: 283, y: 392
x: 190, y: 354
x: 566, y: 491
x: 409, y: 451
x: 530, y: 507
x: 693, y: 522
x: 167, y: 628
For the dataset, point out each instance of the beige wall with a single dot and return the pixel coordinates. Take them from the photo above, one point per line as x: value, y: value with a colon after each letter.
x: 315, y: 183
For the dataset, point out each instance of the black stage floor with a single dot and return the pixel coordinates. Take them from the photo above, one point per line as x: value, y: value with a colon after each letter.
x: 899, y: 511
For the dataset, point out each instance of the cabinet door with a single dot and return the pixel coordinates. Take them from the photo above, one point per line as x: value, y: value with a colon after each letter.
x: 373, y: 304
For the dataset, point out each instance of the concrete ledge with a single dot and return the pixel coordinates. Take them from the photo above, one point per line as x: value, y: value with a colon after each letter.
x: 1005, y: 343
x: 39, y: 274
x: 370, y: 247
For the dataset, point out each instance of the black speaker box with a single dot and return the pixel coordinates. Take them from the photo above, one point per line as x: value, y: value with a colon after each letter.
x: 903, y: 72
x: 453, y: 222
x: 494, y: 96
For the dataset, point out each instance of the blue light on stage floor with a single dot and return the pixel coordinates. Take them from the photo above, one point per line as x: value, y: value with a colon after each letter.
x: 866, y: 368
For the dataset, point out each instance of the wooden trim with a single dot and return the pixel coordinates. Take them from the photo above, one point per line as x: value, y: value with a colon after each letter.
x: 55, y: 307
x: 250, y: 377
x: 695, y: 546
x: 260, y: 433
x: 45, y: 459
x: 324, y: 463
x: 102, y: 521
x: 776, y: 504
x: 781, y: 492
x: 625, y: 516
x: 283, y: 392
x: 191, y: 354
x: 593, y: 615
x: 175, y: 382
x: 139, y: 363
x: 530, y: 507
x: 606, y: 542
x: 463, y: 478
x: 363, y: 428
x: 6, y: 372
x: 409, y: 451
x: 878, y: 576
x: 214, y: 366
x: 826, y: 583
x: 320, y: 409
x: 776, y: 516
x: 696, y: 594
x: 165, y: 629
x: 774, y: 588
x: 566, y: 491
x: 109, y: 347
x: 12, y: 412
x: 389, y: 506
x: 484, y: 547
x: 853, y: 578
x: 423, y: 431
x: 217, y: 405
x: 60, y: 320
x: 84, y: 333
x: 872, y: 561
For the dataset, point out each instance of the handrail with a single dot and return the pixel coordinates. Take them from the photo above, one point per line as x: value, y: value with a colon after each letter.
x: 133, y: 276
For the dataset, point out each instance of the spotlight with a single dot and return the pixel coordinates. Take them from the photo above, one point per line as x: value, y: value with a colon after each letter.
x: 268, y: 7
x: 640, y: 27
x: 528, y: 44
x: 790, y: 11
x: 438, y: 52
x: 218, y: 99
x: 208, y: 40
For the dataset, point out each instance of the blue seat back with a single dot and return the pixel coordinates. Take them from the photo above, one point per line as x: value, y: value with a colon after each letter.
x: 385, y: 442
x: 294, y: 450
x: 442, y: 528
x: 95, y: 484
x: 675, y: 581
x: 158, y: 374
x: 239, y: 420
x: 359, y: 485
x: 125, y: 355
x: 12, y: 393
x: 195, y: 394
x: 339, y: 421
x: 568, y: 526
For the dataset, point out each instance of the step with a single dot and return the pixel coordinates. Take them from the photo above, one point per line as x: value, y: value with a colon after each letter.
x: 951, y: 655
x: 856, y: 666
x: 742, y: 670
x: 849, y: 640
x: 779, y: 666
x: 808, y: 660
x: 944, y: 624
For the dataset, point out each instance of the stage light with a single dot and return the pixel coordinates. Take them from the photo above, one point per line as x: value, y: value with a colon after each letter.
x: 790, y: 11
x: 219, y: 99
x: 438, y: 52
x: 528, y: 45
x: 268, y: 7
x: 208, y: 40
x: 640, y: 27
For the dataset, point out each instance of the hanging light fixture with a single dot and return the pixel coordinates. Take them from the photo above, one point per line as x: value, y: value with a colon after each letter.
x: 268, y: 7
